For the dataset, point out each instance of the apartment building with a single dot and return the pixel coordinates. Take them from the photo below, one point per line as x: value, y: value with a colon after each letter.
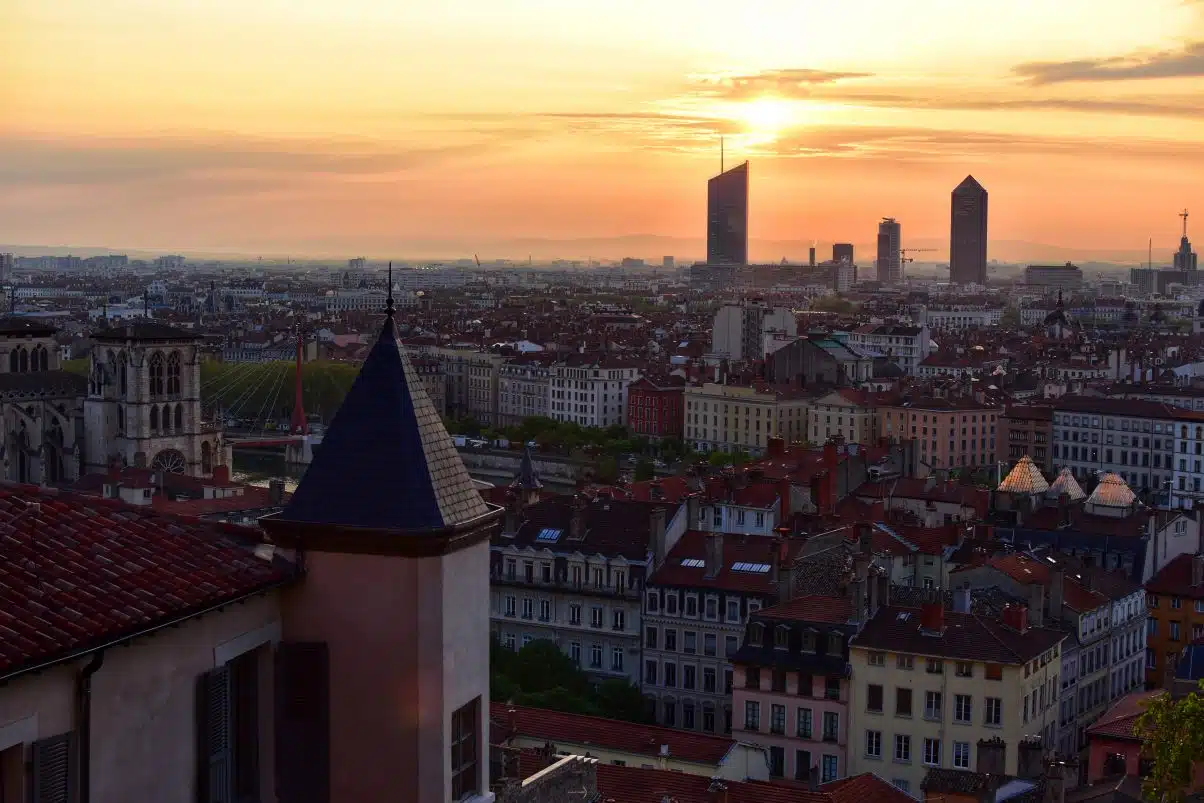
x: 591, y: 390
x: 931, y: 687
x: 434, y: 381
x: 951, y: 432
x: 524, y: 388
x: 1132, y: 438
x: 819, y: 360
x: 730, y: 418
x: 906, y: 346
x: 656, y: 409
x: 695, y: 609
x: 472, y: 383
x: 573, y: 571
x: 738, y: 331
x: 1175, y: 610
x: 1101, y: 612
x: 956, y: 317
x: 847, y: 415
x: 1026, y: 430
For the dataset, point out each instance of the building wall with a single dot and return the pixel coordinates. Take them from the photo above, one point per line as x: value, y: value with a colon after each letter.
x: 656, y: 413
x: 1010, y: 690
x: 1019, y: 436
x: 1163, y: 640
x: 834, y: 416
x: 144, y: 705
x: 947, y: 438
x: 736, y: 418
x: 1141, y: 450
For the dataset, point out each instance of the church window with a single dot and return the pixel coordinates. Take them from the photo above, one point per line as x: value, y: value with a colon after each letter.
x: 14, y: 363
x: 173, y: 374
x: 179, y: 418
x: 121, y: 420
x: 122, y: 373
x: 24, y: 360
x: 43, y: 359
x: 154, y: 422
x: 166, y: 417
x: 156, y: 374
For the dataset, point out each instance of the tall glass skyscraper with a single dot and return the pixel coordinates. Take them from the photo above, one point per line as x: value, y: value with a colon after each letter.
x: 968, y: 233
x: 727, y: 217
x: 890, y: 262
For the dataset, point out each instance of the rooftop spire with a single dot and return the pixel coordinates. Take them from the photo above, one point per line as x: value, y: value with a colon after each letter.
x: 389, y: 300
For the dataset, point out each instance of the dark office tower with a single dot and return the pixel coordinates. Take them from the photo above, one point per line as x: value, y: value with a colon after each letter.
x: 890, y: 262
x: 842, y: 252
x: 1185, y: 258
x: 968, y: 234
x: 727, y: 217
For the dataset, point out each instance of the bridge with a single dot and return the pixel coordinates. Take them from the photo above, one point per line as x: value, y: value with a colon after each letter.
x: 232, y: 394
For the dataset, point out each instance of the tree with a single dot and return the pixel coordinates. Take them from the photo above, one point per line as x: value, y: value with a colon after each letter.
x: 1172, y: 736
x: 606, y: 470
x: 619, y: 699
x: 1010, y: 317
x: 644, y: 470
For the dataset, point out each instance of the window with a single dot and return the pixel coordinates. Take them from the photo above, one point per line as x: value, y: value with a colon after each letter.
x: 752, y: 677
x: 708, y: 718
x: 574, y: 614
x: 690, y: 645
x: 902, y: 702
x: 873, y: 744
x: 650, y: 672
x: 994, y: 672
x: 831, y: 726
x: 616, y: 659
x: 528, y: 607
x: 806, y: 684
x: 653, y: 602
x: 829, y: 769
x: 545, y: 610
x: 832, y: 687
x: 802, y: 764
x: 708, y: 644
x: 671, y: 604
x: 650, y: 638
x: 902, y: 784
x: 932, y: 705
x: 511, y: 602
x: 689, y: 676
x: 877, y: 659
x: 961, y: 708
x: 670, y: 675
x: 934, y: 666
x: 961, y: 755
x: 756, y: 634
x: 711, y: 610
x: 902, y: 747
x: 670, y: 639
x: 595, y: 656
x: 708, y: 679
x: 804, y: 723
x: 777, y: 762
x: 465, y: 750
x: 618, y: 620
x: 730, y: 645
x: 932, y: 752
x: 692, y: 606
x: 752, y: 715
x: 777, y: 719
x: 964, y: 669
x: 781, y: 637
x: 992, y: 712
x: 575, y: 653
x: 595, y: 616
x: 670, y: 713
x: 905, y: 661
x: 733, y: 610
x: 873, y: 698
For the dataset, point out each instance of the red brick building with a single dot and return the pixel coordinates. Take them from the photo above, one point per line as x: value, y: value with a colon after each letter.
x: 655, y: 407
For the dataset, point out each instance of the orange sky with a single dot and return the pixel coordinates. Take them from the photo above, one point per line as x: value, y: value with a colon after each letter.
x: 373, y: 126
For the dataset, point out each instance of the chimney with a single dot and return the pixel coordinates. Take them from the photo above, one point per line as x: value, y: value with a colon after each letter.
x: 1030, y: 759
x: 692, y: 506
x: 276, y: 492
x: 785, y: 572
x: 714, y: 556
x: 1055, y: 781
x: 1063, y: 510
x: 857, y: 598
x: 932, y: 619
x: 1016, y: 617
x: 992, y: 756
x: 961, y: 599
x: 883, y: 594
x: 784, y: 509
x: 656, y: 491
x: 656, y: 535
x: 1057, y: 584
x: 865, y: 538
x: 1036, y: 604
x: 1197, y: 570
x: 577, y: 520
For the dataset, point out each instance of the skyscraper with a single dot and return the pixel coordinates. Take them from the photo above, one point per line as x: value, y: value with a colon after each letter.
x: 968, y: 233
x: 890, y: 264
x: 1185, y: 258
x: 727, y: 217
x: 842, y: 251
x: 6, y: 266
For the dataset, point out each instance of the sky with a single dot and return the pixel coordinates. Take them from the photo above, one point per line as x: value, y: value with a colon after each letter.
x: 341, y: 127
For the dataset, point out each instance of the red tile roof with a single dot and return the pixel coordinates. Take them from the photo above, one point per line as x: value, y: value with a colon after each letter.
x: 1026, y: 571
x: 609, y: 734
x: 736, y: 549
x: 1117, y: 722
x: 818, y: 608
x: 77, y: 572
x: 1175, y: 578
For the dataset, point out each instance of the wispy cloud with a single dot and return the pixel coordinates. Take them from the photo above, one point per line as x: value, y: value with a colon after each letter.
x: 1188, y: 62
x: 785, y: 82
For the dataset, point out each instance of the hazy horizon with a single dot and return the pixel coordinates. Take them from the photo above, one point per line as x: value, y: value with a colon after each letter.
x: 313, y: 125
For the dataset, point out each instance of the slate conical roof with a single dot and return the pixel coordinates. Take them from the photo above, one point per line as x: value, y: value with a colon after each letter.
x: 527, y: 478
x: 386, y: 461
x: 1024, y: 478
x: 1066, y: 484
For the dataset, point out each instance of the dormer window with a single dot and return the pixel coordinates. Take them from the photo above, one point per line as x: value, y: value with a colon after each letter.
x: 808, y: 641
x: 756, y: 635
x: 835, y: 640
x: 781, y: 637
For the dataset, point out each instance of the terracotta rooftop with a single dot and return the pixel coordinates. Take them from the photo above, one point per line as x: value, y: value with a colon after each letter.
x: 967, y: 637
x: 1175, y: 579
x: 1065, y: 483
x: 1112, y: 491
x: 685, y: 565
x: 77, y: 572
x: 1024, y: 478
x: 1117, y: 722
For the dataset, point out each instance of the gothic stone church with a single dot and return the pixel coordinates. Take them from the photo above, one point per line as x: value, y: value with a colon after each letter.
x: 139, y: 405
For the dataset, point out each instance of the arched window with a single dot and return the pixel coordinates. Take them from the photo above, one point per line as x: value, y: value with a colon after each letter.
x: 179, y: 418
x: 43, y: 359
x: 206, y: 458
x: 156, y: 374
x: 166, y: 417
x: 122, y: 373
x: 13, y: 364
x: 154, y: 419
x: 24, y: 359
x: 120, y: 420
x: 173, y: 374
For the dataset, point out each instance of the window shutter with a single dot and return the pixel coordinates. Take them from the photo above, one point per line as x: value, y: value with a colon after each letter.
x: 213, y: 737
x: 52, y: 769
x: 303, y: 722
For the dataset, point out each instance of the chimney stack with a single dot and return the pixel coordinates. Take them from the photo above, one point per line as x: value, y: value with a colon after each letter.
x: 865, y: 538
x: 784, y: 572
x: 656, y: 535
x: 1030, y: 759
x: 1197, y: 570
x: 1036, y: 605
x: 577, y: 521
x: 992, y: 756
x: 784, y: 507
x: 692, y: 509
x: 961, y: 599
x: 932, y: 619
x: 714, y: 556
x: 1016, y: 617
x: 1063, y: 510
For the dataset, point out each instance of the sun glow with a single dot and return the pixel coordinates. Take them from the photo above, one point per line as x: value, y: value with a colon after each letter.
x: 767, y: 116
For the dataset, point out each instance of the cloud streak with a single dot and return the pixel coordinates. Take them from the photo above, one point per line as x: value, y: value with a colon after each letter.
x: 785, y: 82
x: 1185, y: 63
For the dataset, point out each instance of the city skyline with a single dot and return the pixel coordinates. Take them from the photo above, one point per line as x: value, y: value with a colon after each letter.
x: 309, y: 128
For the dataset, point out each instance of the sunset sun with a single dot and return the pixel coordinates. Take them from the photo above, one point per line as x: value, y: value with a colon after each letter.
x: 767, y: 116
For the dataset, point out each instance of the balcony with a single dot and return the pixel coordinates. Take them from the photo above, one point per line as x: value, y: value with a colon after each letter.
x: 564, y: 585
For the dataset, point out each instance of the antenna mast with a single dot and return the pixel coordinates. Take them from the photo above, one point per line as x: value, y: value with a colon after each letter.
x: 1183, y: 215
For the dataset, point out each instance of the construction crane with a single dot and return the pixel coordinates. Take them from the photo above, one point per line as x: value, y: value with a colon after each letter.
x: 477, y: 259
x: 903, y: 252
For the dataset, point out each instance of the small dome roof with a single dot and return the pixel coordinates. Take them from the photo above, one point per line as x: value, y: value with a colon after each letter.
x: 1066, y: 484
x: 1112, y: 491
x: 1024, y: 478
